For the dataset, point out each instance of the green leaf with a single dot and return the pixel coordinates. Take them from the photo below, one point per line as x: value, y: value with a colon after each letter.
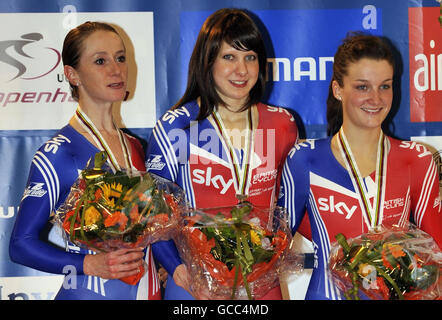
x: 343, y: 242
x: 262, y: 255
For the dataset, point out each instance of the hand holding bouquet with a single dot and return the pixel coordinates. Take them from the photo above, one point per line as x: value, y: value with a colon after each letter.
x: 233, y: 251
x: 105, y: 211
x: 388, y: 264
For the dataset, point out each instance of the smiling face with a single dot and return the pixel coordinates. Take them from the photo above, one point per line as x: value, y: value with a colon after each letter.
x: 102, y: 71
x: 366, y: 94
x: 235, y: 72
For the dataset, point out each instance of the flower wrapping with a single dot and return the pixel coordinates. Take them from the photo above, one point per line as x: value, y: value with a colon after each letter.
x: 387, y: 263
x: 235, y: 252
x: 105, y: 211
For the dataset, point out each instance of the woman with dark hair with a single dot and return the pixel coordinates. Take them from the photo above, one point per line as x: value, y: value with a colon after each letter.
x: 219, y: 142
x: 94, y: 58
x: 225, y: 29
x: 358, y: 178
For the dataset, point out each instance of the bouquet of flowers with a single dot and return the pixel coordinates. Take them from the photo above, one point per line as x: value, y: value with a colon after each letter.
x: 105, y: 211
x: 388, y: 264
x: 233, y: 252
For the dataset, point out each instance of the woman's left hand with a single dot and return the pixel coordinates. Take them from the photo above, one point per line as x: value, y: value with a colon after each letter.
x: 114, y: 265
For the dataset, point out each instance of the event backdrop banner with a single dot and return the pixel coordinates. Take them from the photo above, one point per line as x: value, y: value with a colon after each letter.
x: 301, y: 38
x: 35, y: 94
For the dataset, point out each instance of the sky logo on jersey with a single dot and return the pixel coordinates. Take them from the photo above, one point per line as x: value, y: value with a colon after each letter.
x: 420, y: 148
x: 329, y: 205
x: 334, y: 198
x: 53, y: 144
x: 171, y: 115
x: 205, y: 177
x: 34, y: 189
x: 299, y: 61
x: 425, y: 59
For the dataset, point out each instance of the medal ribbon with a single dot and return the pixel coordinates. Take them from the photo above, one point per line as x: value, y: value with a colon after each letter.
x: 372, y: 214
x: 241, y: 173
x: 89, y: 126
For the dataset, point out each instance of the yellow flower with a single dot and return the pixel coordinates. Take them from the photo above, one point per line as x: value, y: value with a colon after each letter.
x: 254, y: 236
x: 110, y: 192
x: 91, y: 216
x: 128, y: 195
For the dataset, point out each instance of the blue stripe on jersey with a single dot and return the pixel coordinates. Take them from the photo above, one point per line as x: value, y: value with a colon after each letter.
x: 289, y: 193
x: 187, y: 185
x: 329, y: 288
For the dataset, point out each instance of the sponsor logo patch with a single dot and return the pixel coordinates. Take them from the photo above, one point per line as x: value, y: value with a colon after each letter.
x: 155, y: 162
x: 34, y: 189
x: 425, y: 59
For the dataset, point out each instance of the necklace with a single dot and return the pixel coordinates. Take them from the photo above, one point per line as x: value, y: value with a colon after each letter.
x: 372, y: 213
x: 90, y: 128
x: 241, y: 172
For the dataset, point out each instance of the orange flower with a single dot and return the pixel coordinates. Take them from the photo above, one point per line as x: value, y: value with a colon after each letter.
x: 201, y: 247
x: 122, y: 221
x: 142, y: 197
x: 98, y: 194
x: 128, y: 195
x: 115, y: 218
x: 172, y: 204
x: 67, y: 221
x: 396, y: 250
x: 134, y: 214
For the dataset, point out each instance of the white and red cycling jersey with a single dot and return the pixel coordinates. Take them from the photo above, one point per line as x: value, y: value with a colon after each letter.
x: 197, y: 157
x: 313, y: 181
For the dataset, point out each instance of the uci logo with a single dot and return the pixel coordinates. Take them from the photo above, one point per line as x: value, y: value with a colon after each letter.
x: 21, y: 54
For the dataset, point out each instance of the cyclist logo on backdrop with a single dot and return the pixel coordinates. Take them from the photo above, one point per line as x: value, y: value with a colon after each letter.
x: 19, y: 48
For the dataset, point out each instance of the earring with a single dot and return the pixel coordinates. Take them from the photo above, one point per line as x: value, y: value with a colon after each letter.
x: 339, y: 98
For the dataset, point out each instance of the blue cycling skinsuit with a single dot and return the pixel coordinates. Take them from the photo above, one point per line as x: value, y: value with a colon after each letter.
x: 54, y: 169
